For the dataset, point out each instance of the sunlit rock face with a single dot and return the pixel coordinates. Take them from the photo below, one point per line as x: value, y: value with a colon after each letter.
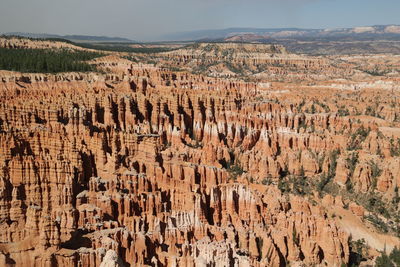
x: 142, y: 165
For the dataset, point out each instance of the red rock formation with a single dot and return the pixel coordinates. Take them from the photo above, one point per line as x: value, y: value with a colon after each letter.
x: 149, y: 167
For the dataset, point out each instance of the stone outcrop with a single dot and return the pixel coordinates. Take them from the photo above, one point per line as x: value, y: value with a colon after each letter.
x: 145, y: 166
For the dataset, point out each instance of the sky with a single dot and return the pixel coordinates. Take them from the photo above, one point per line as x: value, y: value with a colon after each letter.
x: 150, y: 19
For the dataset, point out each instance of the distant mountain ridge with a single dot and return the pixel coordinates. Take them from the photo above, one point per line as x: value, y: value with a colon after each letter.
x: 392, y: 31
x: 73, y: 38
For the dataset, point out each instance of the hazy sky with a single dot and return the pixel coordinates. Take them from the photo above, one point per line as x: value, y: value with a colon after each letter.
x: 149, y: 19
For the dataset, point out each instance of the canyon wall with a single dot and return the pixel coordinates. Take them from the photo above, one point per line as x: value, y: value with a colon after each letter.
x: 147, y: 166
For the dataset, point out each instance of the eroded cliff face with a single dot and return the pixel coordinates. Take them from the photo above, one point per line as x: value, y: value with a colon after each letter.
x: 135, y: 166
x: 252, y: 62
x: 145, y: 166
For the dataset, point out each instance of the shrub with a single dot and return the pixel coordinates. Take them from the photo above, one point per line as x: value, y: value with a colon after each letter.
x: 352, y: 163
x: 378, y: 223
x: 235, y: 171
x: 394, y: 148
x: 357, y: 138
x: 267, y: 180
x: 300, y: 186
x: 370, y: 111
x: 358, y: 251
x: 295, y: 237
x: 343, y: 112
x: 327, y: 177
x: 375, y: 173
x: 283, y: 186
x: 376, y: 72
x: 395, y: 256
x: 259, y: 242
x: 396, y: 198
x: 384, y: 261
